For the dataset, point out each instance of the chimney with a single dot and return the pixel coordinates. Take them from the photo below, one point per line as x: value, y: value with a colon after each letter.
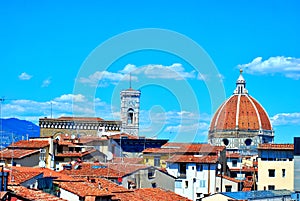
x: 99, y: 185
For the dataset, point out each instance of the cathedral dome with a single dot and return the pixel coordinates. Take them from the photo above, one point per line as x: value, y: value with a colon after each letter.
x: 241, y: 117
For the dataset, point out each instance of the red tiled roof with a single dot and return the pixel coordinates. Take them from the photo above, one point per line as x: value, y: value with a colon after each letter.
x: 111, y: 186
x: 75, y: 154
x: 192, y: 159
x: 89, y: 139
x: 83, y: 189
x: 157, y: 194
x: 244, y: 169
x: 185, y: 148
x: 127, y: 160
x: 233, y: 155
x: 18, y: 177
x: 47, y: 173
x: 17, y: 153
x: 30, y: 144
x: 250, y: 114
x: 230, y: 178
x: 32, y: 194
x: 126, y: 167
x: 276, y: 146
x: 94, y: 170
x: 120, y: 135
x: 80, y: 118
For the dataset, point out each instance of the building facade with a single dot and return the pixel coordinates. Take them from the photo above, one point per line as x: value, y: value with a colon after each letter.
x: 130, y: 109
x: 275, y: 167
x: 78, y: 126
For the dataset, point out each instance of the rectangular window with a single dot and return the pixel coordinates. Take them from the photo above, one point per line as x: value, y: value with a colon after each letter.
x: 186, y: 184
x: 182, y: 170
x: 271, y: 187
x: 283, y: 172
x: 234, y: 163
x: 228, y: 188
x: 199, y: 167
x: 156, y: 161
x: 202, y: 183
x: 271, y: 173
x: 151, y: 173
x: 178, y: 184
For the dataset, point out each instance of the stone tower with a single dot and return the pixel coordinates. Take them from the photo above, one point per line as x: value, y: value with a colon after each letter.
x: 130, y: 109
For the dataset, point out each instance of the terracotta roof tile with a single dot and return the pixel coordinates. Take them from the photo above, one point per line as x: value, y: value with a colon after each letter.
x: 276, y: 146
x: 157, y: 194
x: 185, y: 148
x: 94, y: 170
x: 128, y: 160
x: 75, y: 154
x: 249, y: 114
x: 80, y: 118
x: 18, y: 177
x: 120, y: 135
x: 233, y: 155
x: 30, y: 144
x: 46, y: 172
x: 17, y: 153
x: 229, y: 178
x: 192, y: 159
x: 32, y: 194
x: 83, y: 189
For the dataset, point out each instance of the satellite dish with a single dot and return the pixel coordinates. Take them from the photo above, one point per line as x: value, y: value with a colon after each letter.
x: 109, y: 156
x: 73, y: 137
x: 42, y: 164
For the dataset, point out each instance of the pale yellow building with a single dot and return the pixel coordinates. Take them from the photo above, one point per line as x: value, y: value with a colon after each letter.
x: 275, y: 167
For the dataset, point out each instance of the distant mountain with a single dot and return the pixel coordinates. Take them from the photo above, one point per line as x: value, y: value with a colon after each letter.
x: 19, y: 129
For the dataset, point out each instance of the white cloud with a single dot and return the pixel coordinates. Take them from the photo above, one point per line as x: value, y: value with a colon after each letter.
x: 175, y: 71
x: 71, y: 97
x: 172, y: 123
x: 25, y: 76
x: 128, y: 68
x: 105, y: 78
x: 46, y: 82
x: 288, y: 66
x: 64, y: 105
x: 286, y: 119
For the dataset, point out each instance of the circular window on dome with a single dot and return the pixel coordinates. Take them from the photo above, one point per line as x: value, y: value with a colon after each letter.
x: 225, y: 141
x: 248, y: 142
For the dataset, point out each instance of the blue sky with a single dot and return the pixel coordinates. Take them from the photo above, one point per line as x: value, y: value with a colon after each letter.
x: 45, y: 46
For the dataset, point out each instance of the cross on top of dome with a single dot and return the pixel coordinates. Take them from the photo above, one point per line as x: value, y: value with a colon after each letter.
x: 240, y: 85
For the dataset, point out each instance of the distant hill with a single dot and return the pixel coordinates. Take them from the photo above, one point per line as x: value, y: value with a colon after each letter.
x: 20, y: 129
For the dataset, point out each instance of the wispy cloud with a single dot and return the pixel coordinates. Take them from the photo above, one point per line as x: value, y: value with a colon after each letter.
x: 175, y: 71
x: 172, y: 123
x: 25, y: 76
x: 286, y: 119
x: 153, y: 71
x: 105, y: 78
x: 46, y: 82
x: 287, y: 66
x: 64, y: 105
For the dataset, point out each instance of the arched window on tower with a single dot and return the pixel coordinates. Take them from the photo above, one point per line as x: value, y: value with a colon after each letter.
x: 130, y: 116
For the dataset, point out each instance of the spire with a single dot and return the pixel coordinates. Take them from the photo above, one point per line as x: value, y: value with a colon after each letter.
x: 130, y: 80
x: 240, y: 85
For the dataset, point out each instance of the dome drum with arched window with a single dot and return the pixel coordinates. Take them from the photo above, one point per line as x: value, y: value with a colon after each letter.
x: 240, y: 121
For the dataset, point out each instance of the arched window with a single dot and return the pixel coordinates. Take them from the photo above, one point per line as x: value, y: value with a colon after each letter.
x: 130, y: 116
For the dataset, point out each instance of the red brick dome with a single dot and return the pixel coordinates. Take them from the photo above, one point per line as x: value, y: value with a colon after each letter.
x: 240, y: 112
x: 240, y: 119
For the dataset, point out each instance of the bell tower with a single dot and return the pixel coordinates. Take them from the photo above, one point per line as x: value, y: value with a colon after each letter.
x: 130, y: 109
